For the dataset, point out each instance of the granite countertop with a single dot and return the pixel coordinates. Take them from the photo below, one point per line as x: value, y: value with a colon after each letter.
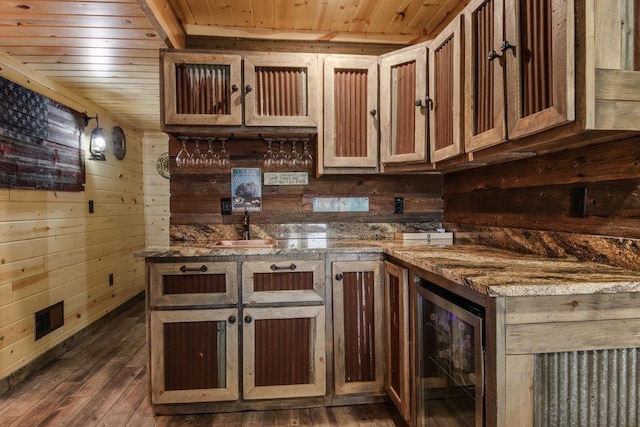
x: 485, y: 269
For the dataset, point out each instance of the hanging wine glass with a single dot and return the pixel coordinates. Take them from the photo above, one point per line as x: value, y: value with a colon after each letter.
x: 211, y: 159
x: 306, y: 159
x: 281, y: 157
x: 294, y: 158
x: 224, y: 159
x: 183, y: 158
x: 268, y: 159
x: 197, y: 157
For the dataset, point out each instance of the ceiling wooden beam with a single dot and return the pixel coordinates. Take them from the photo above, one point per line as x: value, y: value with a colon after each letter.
x: 165, y: 21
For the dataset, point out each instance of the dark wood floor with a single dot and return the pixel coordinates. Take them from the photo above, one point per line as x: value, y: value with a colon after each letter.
x: 102, y: 382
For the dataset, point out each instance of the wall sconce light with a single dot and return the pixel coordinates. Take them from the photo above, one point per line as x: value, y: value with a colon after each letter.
x: 97, y: 143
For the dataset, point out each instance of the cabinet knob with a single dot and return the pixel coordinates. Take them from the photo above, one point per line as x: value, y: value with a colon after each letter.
x: 505, y: 45
x: 234, y: 88
x: 339, y: 277
x: 248, y: 319
x: 493, y: 55
x: 373, y: 112
x: 248, y: 88
x: 232, y: 320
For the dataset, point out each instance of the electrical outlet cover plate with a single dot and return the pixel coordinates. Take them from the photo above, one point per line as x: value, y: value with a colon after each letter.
x: 578, y: 208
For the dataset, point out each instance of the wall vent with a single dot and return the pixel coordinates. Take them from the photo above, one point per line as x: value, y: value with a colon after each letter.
x: 49, y: 319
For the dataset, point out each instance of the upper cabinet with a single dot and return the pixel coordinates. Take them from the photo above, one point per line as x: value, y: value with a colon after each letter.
x: 350, y: 121
x: 201, y: 89
x: 403, y: 83
x: 281, y: 89
x: 612, y: 65
x: 445, y: 87
x: 521, y: 49
x: 206, y: 89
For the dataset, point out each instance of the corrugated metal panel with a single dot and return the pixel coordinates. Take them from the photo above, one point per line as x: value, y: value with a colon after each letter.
x: 587, y: 388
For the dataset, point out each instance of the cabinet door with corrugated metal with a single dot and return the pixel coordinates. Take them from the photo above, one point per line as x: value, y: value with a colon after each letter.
x: 281, y: 89
x: 403, y: 123
x: 358, y: 327
x: 350, y: 113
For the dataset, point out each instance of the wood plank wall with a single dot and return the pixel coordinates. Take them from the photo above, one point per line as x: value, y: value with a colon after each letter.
x: 52, y: 249
x: 196, y: 193
x: 535, y: 193
x: 156, y: 191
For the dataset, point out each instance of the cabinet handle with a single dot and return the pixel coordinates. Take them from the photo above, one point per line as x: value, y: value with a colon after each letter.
x: 493, y: 55
x: 505, y: 45
x: 339, y: 276
x: 373, y: 112
x: 203, y: 268
x: 234, y: 88
x: 232, y: 319
x: 248, y: 319
x: 288, y: 267
x: 248, y: 88
x: 428, y: 102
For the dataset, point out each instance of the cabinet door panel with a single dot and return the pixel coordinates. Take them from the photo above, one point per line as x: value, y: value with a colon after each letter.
x: 403, y: 79
x: 193, y: 284
x: 201, y: 89
x: 195, y: 356
x: 445, y: 59
x: 397, y: 375
x: 540, y: 67
x: 284, y: 352
x: 281, y: 90
x: 484, y: 78
x: 350, y: 97
x: 358, y: 326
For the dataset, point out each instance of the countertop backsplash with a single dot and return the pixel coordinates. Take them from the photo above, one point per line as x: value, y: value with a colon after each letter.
x: 615, y: 251
x: 331, y: 230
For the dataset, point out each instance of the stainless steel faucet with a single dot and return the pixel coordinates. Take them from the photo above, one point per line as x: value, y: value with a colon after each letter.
x: 245, y: 223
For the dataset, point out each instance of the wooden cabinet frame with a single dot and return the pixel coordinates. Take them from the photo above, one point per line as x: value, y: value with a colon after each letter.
x: 157, y: 362
x: 478, y: 67
x: 169, y: 59
x: 342, y: 386
x: 156, y: 290
x: 562, y: 109
x: 400, y: 396
x: 388, y: 113
x: 330, y: 121
x: 453, y: 102
x: 317, y: 385
x: 315, y: 295
x: 308, y: 95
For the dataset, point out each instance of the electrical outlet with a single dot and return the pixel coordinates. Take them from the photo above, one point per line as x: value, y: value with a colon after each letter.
x: 578, y: 204
x: 110, y: 279
x: 398, y: 206
x: 90, y: 206
x: 225, y: 206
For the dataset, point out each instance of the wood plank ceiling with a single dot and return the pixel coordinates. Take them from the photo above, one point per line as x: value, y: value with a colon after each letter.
x: 107, y: 50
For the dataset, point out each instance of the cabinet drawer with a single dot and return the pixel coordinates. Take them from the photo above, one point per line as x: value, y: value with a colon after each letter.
x: 283, y: 281
x: 193, y: 284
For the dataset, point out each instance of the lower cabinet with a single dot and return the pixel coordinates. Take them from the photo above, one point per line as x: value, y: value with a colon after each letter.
x: 358, y: 327
x: 194, y: 355
x: 397, y: 337
x: 283, y: 352
x: 211, y: 340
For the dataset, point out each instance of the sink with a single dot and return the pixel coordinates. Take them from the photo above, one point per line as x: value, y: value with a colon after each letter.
x: 254, y: 243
